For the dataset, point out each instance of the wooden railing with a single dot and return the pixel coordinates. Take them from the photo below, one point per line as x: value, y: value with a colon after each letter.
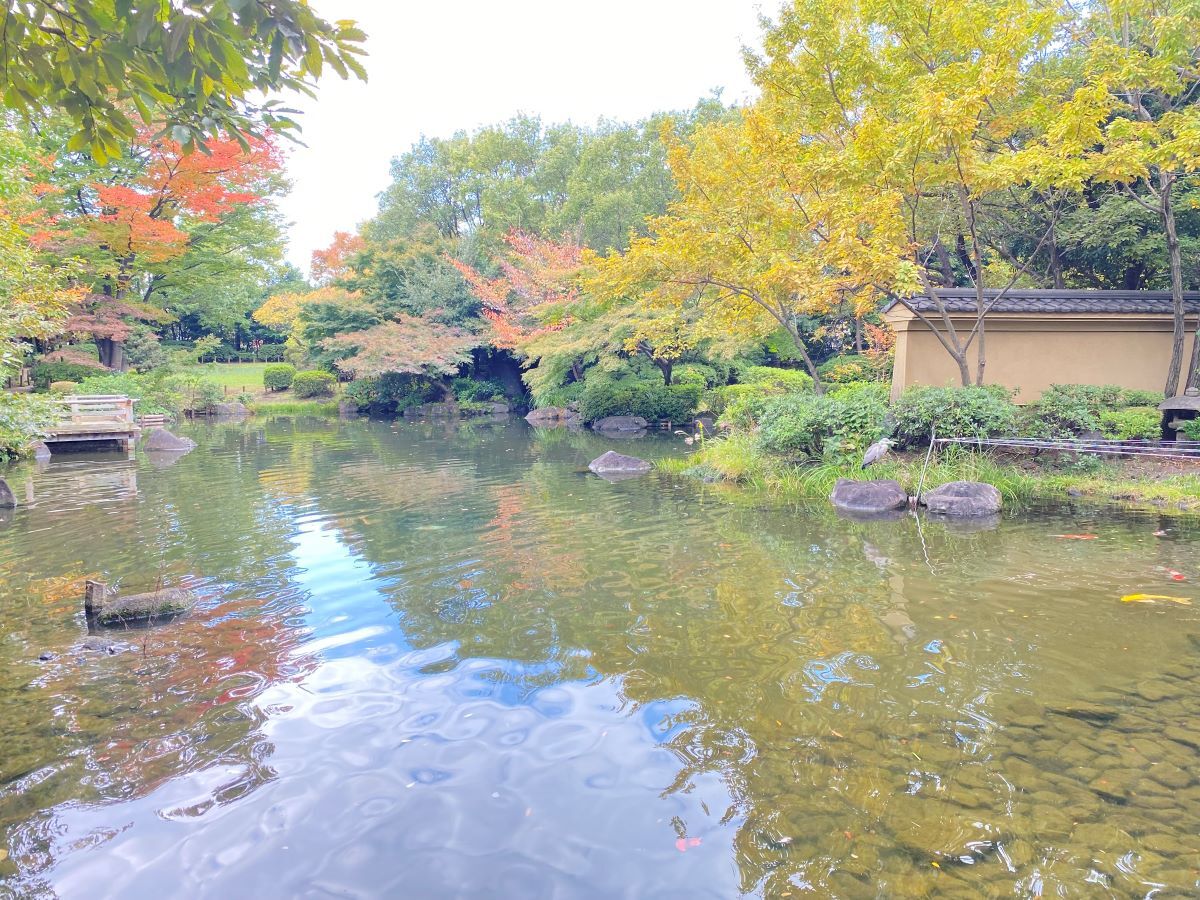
x: 100, y: 413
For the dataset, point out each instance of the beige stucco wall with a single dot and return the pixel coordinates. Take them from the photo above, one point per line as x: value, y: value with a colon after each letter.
x: 1029, y: 353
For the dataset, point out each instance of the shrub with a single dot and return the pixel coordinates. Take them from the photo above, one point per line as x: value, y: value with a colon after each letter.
x: 1131, y: 397
x: 271, y: 352
x: 1067, y: 410
x: 278, y: 376
x: 313, y: 383
x: 562, y: 396
x: 700, y: 373
x: 784, y: 379
x: 156, y: 394
x: 24, y: 418
x: 391, y: 393
x: 652, y: 400
x: 955, y: 412
x: 471, y: 390
x: 855, y: 367
x: 1191, y: 430
x: 1132, y: 424
x: 63, y: 387
x: 143, y: 351
x: 812, y: 426
x: 46, y: 372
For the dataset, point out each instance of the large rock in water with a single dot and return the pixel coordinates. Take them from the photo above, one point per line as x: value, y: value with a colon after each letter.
x: 104, y: 608
x: 963, y: 498
x: 7, y: 499
x: 619, y: 424
x: 868, y: 496
x: 231, y: 410
x: 432, y: 411
x: 161, y: 440
x: 613, y: 463
x: 41, y: 452
x: 553, y: 417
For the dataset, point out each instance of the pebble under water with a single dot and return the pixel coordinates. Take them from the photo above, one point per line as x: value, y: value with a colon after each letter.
x: 443, y: 660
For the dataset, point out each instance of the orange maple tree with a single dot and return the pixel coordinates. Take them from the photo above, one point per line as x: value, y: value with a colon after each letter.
x: 333, y: 263
x: 131, y: 225
x: 533, y: 293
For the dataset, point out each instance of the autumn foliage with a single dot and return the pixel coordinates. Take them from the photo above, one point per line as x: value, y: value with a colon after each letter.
x: 534, y: 291
x: 411, y: 345
x: 332, y: 263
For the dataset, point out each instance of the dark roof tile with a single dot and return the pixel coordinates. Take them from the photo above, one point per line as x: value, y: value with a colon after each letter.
x: 962, y: 300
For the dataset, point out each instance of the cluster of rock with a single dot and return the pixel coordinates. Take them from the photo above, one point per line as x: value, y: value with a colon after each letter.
x: 555, y: 417
x: 450, y: 410
x: 959, y: 499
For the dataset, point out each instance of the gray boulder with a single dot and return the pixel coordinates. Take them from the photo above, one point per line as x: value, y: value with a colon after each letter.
x: 230, y: 410
x: 613, y: 463
x: 963, y: 498
x: 161, y: 440
x: 868, y: 496
x: 41, y: 452
x: 105, y: 608
x: 620, y: 423
x: 553, y: 417
x: 8, y: 499
x: 432, y: 411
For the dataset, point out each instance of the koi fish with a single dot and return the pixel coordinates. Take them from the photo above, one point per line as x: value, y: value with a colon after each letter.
x: 1154, y: 598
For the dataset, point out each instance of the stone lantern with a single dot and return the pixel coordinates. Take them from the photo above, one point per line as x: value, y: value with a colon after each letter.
x: 1178, y: 410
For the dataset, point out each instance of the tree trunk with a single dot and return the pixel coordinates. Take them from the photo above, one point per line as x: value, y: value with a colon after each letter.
x: 1166, y: 209
x: 665, y: 367
x: 112, y: 353
x: 794, y: 333
x: 1193, y: 380
x: 858, y: 336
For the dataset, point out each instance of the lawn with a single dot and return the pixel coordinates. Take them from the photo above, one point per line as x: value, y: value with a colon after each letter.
x: 239, y: 378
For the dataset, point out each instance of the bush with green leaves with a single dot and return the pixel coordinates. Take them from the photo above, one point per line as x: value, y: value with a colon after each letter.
x: 1132, y: 397
x: 562, y: 396
x: 652, y: 400
x: 788, y: 380
x: 270, y: 353
x: 1069, y: 410
x: 44, y: 373
x: 278, y: 376
x: 156, y: 392
x: 64, y: 387
x: 472, y: 390
x: 313, y: 383
x: 970, y: 412
x: 1191, y: 430
x: 1142, y: 423
x: 708, y: 376
x: 811, y: 427
x: 855, y: 367
x: 24, y: 419
x: 143, y: 350
x: 390, y: 394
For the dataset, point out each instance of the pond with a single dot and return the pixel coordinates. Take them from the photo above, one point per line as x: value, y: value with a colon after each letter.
x: 442, y: 660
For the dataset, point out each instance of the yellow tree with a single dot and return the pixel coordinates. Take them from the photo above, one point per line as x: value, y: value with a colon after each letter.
x: 1132, y: 120
x: 754, y: 244
x: 917, y: 101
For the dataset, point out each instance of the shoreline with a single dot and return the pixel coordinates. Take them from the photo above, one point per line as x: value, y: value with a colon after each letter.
x: 735, y: 460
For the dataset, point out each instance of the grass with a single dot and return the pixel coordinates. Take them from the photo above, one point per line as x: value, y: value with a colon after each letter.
x: 738, y: 459
x: 247, y: 378
x: 289, y: 407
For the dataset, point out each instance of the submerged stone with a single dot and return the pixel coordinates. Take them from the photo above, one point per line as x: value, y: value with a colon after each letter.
x: 105, y: 608
x: 963, y: 498
x: 8, y: 499
x: 868, y: 496
x: 161, y: 440
x: 620, y: 424
x: 613, y: 463
x: 41, y: 451
x: 553, y: 417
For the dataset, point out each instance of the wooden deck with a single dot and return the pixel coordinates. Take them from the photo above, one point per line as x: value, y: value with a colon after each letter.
x: 96, y: 418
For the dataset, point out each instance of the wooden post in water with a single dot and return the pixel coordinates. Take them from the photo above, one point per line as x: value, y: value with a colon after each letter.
x: 94, y: 593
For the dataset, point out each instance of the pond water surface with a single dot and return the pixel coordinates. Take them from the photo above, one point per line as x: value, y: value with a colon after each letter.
x: 438, y: 660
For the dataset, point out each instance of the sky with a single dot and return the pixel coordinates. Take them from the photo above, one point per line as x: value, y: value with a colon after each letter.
x: 439, y: 67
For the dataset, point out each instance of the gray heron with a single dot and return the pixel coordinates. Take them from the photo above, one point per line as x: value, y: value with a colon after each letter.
x: 877, y: 451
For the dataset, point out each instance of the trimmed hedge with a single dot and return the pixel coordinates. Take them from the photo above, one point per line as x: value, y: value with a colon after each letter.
x: 805, y: 425
x: 977, y: 412
x: 652, y: 400
x: 278, y: 376
x: 313, y: 383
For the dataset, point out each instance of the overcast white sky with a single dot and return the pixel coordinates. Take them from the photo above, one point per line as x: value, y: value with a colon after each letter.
x: 441, y: 66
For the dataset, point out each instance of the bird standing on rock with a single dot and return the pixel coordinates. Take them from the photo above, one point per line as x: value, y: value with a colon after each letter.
x: 877, y: 451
